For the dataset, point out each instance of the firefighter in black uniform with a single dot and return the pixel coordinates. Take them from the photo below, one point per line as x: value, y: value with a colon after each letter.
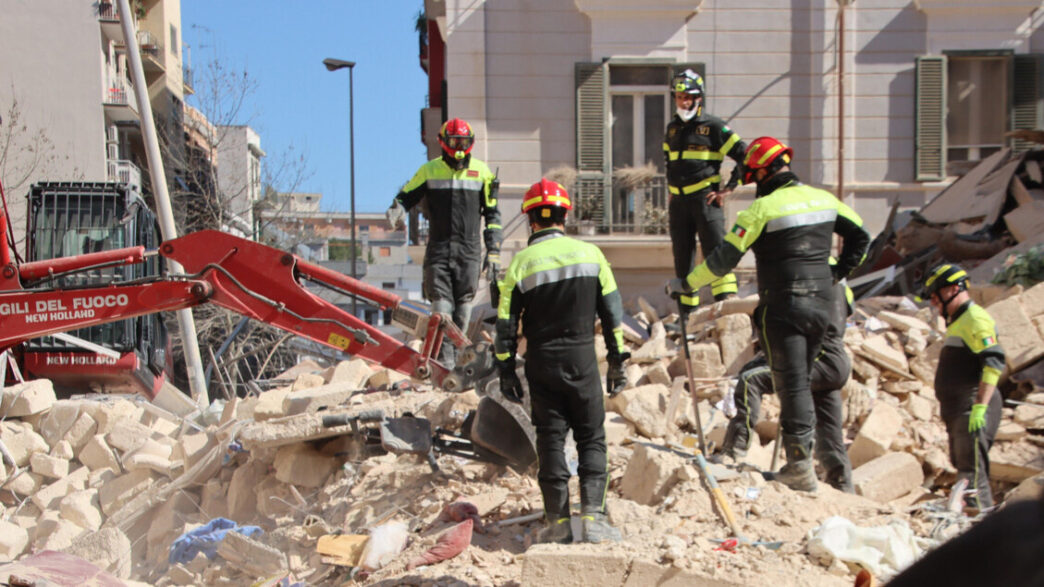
x: 458, y: 191
x: 790, y: 227
x: 830, y: 372
x: 557, y: 286
x: 694, y: 147
x: 970, y: 363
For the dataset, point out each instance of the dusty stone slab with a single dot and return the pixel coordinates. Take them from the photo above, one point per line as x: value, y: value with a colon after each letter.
x: 651, y: 474
x: 303, y: 466
x: 97, y: 454
x: 876, y: 435
x: 251, y: 556
x: 573, y: 565
x: 26, y: 399
x: 1015, y: 462
x: 1021, y: 341
x: 645, y: 407
x: 109, y: 548
x: 21, y: 441
x: 888, y: 477
x: 879, y: 350
x: 902, y: 322
x: 735, y: 337
x: 13, y: 540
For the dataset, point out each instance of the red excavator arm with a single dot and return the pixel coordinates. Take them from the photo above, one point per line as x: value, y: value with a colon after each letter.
x: 241, y: 275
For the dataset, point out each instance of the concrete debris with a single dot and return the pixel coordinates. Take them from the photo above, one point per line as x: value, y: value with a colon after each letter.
x: 113, y: 483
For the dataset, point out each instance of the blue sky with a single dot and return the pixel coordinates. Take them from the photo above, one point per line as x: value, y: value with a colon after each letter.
x: 299, y: 105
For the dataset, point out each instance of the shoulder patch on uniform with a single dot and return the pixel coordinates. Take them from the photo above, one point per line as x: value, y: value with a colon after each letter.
x: 739, y: 230
x: 473, y: 173
x: 988, y: 341
x: 726, y: 128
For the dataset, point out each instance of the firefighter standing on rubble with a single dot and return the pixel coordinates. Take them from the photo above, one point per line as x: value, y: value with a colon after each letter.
x: 557, y: 286
x: 970, y: 363
x: 790, y: 227
x: 830, y: 372
x: 694, y: 147
x: 458, y: 190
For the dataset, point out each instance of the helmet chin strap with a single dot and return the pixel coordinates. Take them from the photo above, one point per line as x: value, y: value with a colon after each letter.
x: 946, y: 304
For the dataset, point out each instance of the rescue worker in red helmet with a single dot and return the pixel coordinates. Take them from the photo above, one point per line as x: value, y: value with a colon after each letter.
x: 790, y: 227
x: 694, y: 147
x: 556, y: 287
x: 970, y: 364
x: 458, y: 192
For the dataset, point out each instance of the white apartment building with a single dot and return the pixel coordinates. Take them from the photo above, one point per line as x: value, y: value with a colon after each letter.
x: 239, y: 176
x: 881, y: 100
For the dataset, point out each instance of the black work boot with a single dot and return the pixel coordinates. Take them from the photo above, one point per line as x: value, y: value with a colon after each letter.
x: 799, y: 473
x: 597, y: 528
x: 557, y: 530
x: 736, y: 442
x: 840, y: 478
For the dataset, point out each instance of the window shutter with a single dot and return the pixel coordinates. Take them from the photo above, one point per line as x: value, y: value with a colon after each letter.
x: 1026, y: 107
x: 930, y: 146
x: 594, y: 177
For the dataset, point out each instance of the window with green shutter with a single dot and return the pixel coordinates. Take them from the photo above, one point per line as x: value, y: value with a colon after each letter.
x: 967, y: 101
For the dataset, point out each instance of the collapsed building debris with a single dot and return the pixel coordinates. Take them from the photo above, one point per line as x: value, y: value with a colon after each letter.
x: 104, y: 480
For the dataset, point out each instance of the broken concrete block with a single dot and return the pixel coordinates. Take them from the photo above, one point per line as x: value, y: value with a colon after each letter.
x: 25, y: 483
x: 617, y: 429
x: 301, y: 465
x: 876, y: 435
x: 706, y: 361
x: 106, y: 414
x: 108, y: 548
x: 901, y: 388
x: 651, y: 474
x: 127, y: 435
x: 97, y: 454
x: 26, y: 399
x: 655, y: 348
x: 385, y: 379
x: 270, y: 404
x: 633, y: 373
x: 193, y: 447
x: 1030, y: 489
x: 1030, y: 416
x: 735, y: 337
x: 309, y: 380
x: 179, y: 575
x: 55, y: 534
x: 1021, y: 341
x: 56, y: 422
x: 117, y: 492
x: 82, y: 429
x: 49, y: 466
x: 1015, y: 462
x: 1010, y: 431
x: 316, y: 398
x: 49, y: 496
x: 242, y: 498
x: 547, y: 564
x: 878, y: 349
x: 213, y: 499
x: 167, y: 522
x: 353, y: 373
x: 63, y: 450
x: 645, y: 407
x: 919, y: 407
x: 151, y: 462
x: 902, y: 322
x: 251, y: 556
x: 82, y: 508
x: 657, y: 373
x: 13, y: 540
x: 21, y: 441
x: 888, y: 476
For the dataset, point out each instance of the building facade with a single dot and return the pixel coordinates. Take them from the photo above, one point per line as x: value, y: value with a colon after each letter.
x: 882, y: 100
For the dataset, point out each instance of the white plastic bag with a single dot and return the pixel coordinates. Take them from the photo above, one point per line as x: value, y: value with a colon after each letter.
x: 883, y: 550
x: 385, y: 543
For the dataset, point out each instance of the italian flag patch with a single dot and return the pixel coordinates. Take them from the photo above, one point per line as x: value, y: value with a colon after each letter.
x: 739, y: 231
x: 989, y: 341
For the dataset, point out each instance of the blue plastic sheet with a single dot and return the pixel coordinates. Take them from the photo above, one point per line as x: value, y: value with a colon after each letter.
x: 206, y: 538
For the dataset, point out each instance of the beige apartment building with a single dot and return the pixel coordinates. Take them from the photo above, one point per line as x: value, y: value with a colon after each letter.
x: 65, y: 76
x: 881, y: 100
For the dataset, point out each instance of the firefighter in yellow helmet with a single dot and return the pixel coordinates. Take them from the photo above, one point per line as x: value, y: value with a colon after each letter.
x: 790, y: 228
x: 459, y: 191
x: 694, y: 147
x: 970, y: 364
x: 556, y: 287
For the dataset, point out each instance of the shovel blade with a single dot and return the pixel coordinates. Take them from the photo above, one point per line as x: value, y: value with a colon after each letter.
x: 505, y: 431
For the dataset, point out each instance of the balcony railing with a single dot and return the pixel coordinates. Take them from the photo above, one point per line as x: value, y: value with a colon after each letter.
x: 124, y: 172
x: 633, y: 209
x: 117, y: 92
x: 149, y: 45
x: 107, y: 11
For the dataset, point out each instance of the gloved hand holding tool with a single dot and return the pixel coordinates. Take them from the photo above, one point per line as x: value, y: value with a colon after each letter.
x: 615, y: 377
x: 510, y: 385
x: 395, y: 215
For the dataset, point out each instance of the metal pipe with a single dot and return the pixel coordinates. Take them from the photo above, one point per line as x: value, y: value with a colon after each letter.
x: 165, y: 214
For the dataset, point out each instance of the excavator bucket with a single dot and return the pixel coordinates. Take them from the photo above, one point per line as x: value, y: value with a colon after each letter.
x: 504, y: 429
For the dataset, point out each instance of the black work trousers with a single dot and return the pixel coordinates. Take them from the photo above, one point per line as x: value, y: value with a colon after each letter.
x: 689, y: 216
x: 566, y: 393
x: 969, y: 452
x: 830, y: 372
x: 450, y: 286
x: 791, y: 328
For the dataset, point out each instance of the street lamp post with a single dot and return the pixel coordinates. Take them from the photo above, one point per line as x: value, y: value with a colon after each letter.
x: 333, y: 65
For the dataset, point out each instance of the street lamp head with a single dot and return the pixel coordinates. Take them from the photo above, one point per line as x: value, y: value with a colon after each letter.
x: 335, y: 64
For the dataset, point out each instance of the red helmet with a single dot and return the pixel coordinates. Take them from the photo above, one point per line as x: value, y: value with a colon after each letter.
x: 761, y: 153
x: 546, y: 193
x: 456, y: 138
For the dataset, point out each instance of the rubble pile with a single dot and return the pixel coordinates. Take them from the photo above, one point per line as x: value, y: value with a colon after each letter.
x: 258, y: 489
